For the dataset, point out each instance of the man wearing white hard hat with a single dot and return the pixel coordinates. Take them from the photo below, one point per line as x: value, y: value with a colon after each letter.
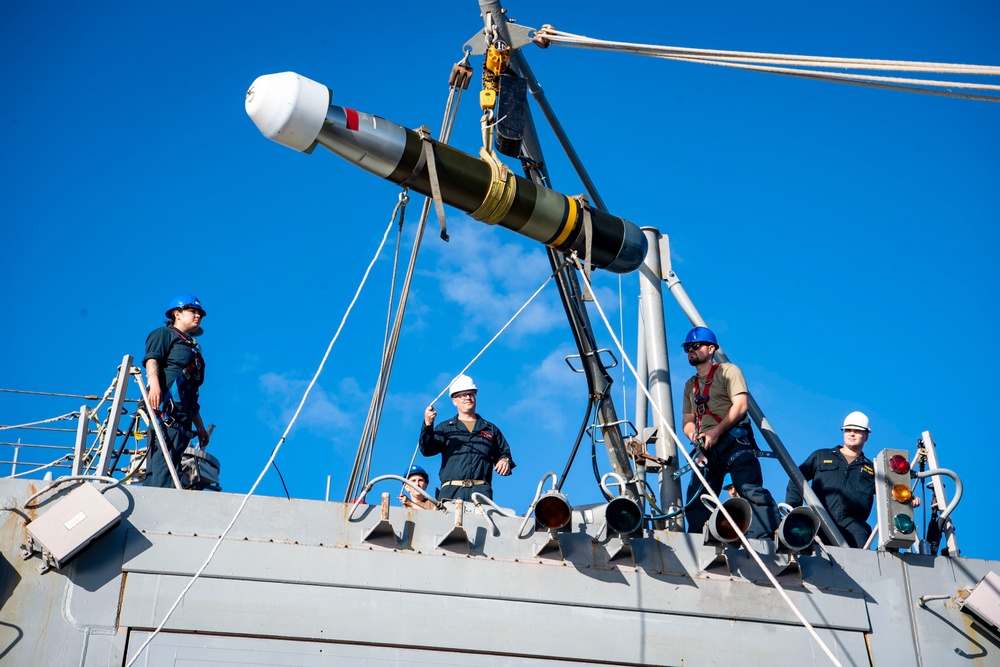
x: 471, y: 448
x: 843, y: 479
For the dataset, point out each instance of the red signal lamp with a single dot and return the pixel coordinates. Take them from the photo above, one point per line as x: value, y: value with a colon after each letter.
x: 898, y: 464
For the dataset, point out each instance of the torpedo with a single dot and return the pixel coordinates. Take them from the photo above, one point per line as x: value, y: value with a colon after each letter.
x: 296, y: 112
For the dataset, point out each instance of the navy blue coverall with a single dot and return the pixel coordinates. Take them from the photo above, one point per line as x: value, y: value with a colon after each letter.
x: 182, y: 370
x: 847, y: 490
x: 465, y: 455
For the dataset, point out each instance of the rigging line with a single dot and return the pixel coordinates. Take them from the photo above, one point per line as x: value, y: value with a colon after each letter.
x: 887, y: 82
x: 704, y: 482
x: 86, y: 397
x: 66, y: 457
x: 487, y: 346
x: 560, y: 38
x: 621, y: 329
x: 65, y: 417
x: 853, y: 79
x: 444, y: 136
x: 535, y: 88
x: 270, y: 461
x: 362, y: 460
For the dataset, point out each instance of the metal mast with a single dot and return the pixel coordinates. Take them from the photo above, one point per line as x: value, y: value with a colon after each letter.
x: 598, y: 380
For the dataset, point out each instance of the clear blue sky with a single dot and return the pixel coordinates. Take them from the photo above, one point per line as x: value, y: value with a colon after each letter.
x: 840, y: 240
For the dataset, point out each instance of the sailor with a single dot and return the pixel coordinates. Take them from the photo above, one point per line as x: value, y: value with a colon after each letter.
x: 471, y: 448
x: 716, y: 421
x: 418, y: 477
x: 843, y: 479
x: 175, y: 370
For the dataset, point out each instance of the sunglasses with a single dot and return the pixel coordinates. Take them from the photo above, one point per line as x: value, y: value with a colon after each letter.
x: 694, y: 346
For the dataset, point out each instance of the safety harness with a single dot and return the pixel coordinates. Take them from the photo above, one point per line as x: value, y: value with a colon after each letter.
x: 186, y: 382
x: 701, y: 399
x: 742, y: 432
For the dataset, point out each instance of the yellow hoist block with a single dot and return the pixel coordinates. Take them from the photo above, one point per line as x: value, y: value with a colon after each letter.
x: 497, y: 56
x: 487, y: 98
x: 496, y: 62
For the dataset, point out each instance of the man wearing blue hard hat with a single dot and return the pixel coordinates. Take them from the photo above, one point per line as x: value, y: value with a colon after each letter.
x: 716, y: 420
x: 419, y: 478
x: 175, y: 371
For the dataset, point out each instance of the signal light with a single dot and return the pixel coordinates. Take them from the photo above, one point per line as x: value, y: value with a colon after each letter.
x: 552, y: 511
x: 623, y: 515
x: 719, y: 531
x: 896, y: 528
x: 898, y: 464
x: 903, y: 524
x: 901, y: 493
x: 797, y: 532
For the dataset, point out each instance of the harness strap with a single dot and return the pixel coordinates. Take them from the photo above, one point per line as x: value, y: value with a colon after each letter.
x: 588, y: 241
x: 427, y: 158
x: 701, y: 399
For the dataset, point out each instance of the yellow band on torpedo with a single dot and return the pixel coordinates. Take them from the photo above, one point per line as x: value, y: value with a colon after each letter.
x: 571, y: 220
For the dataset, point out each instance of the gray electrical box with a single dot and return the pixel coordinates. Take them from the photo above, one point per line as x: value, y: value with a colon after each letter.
x: 983, y: 602
x: 74, y: 522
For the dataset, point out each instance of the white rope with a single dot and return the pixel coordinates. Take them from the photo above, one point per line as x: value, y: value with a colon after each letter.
x: 756, y: 62
x: 493, y: 340
x: 482, y: 351
x: 557, y: 36
x: 274, y: 454
x: 67, y: 416
x: 65, y: 457
x: 697, y: 473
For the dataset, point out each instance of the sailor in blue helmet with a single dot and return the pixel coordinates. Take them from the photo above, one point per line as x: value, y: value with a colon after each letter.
x: 175, y: 370
x: 471, y: 448
x: 715, y: 419
x: 419, y: 478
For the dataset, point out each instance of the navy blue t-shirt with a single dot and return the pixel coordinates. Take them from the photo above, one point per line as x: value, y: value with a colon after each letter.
x: 175, y: 354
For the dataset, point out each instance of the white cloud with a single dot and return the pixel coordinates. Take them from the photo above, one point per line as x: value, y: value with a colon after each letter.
x: 550, y: 393
x: 489, y: 279
x: 322, y: 412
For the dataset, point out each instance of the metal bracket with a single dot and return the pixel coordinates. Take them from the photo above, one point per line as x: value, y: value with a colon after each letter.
x: 597, y: 352
x: 520, y: 35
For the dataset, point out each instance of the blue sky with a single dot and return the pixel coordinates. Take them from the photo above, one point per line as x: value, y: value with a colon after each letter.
x: 840, y: 240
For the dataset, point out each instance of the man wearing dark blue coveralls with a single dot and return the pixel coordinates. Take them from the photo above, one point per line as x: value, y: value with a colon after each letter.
x: 715, y: 418
x: 843, y: 479
x: 175, y: 370
x: 471, y: 448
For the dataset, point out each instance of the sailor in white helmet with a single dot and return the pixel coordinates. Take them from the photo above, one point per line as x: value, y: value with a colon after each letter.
x: 471, y: 448
x: 843, y: 479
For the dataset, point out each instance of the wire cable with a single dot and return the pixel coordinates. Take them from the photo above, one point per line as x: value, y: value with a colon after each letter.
x: 788, y: 64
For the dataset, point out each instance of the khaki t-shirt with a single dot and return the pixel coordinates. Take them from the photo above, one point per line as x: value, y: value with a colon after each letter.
x: 727, y: 382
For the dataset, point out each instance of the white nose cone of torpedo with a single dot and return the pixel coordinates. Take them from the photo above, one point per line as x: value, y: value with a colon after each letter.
x: 288, y: 108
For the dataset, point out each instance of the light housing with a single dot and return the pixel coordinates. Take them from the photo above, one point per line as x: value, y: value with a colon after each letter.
x: 553, y: 511
x: 624, y: 516
x: 893, y: 500
x: 719, y: 531
x: 797, y: 532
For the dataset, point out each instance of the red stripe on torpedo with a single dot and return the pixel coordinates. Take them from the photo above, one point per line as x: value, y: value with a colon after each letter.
x: 352, y: 119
